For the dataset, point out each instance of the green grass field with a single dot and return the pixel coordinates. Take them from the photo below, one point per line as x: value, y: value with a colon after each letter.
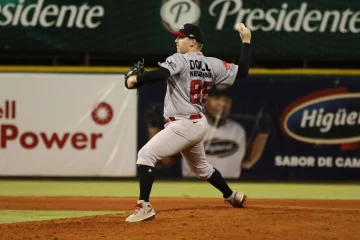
x: 178, y: 189
x: 10, y: 216
x: 160, y: 189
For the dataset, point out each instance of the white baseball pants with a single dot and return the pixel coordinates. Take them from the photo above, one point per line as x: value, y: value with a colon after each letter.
x: 184, y: 136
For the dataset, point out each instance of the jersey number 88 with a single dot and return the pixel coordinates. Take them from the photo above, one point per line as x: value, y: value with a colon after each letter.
x: 199, y: 91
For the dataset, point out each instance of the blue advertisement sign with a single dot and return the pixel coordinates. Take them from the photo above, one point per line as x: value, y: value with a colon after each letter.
x: 273, y: 128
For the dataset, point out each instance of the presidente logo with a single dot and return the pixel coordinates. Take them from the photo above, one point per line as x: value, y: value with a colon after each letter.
x: 175, y: 13
x: 51, y: 14
x: 330, y: 116
x: 288, y: 16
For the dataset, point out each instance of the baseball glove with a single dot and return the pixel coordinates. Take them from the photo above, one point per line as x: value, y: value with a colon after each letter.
x: 136, y: 69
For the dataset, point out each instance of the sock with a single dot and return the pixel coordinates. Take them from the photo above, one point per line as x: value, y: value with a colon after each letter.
x: 219, y: 182
x: 146, y: 176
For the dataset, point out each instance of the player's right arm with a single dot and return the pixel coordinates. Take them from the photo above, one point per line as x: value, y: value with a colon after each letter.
x: 226, y: 73
x: 244, y: 60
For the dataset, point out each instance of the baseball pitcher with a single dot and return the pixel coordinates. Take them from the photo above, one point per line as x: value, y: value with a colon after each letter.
x: 190, y: 75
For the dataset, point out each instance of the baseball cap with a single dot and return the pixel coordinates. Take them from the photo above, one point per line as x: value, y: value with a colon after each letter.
x: 191, y: 31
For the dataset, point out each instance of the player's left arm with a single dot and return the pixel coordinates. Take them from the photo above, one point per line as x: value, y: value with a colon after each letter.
x: 160, y: 74
x: 173, y: 65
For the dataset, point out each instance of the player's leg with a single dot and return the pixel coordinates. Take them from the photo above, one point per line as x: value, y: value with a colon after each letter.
x: 196, y: 158
x: 169, y: 141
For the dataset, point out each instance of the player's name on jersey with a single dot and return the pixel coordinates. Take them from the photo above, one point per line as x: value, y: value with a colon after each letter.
x: 199, y: 69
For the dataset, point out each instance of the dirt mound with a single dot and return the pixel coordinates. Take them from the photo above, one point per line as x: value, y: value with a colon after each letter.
x: 188, y: 218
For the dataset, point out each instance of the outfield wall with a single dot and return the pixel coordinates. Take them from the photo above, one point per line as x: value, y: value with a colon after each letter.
x: 82, y: 122
x: 66, y: 124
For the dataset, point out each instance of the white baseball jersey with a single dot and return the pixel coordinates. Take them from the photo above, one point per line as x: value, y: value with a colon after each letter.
x: 225, y: 148
x: 192, y: 76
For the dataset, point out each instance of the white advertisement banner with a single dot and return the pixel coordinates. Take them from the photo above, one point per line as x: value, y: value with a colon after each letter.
x: 67, y: 124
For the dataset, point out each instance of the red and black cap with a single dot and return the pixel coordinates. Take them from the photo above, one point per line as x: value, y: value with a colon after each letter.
x: 191, y: 31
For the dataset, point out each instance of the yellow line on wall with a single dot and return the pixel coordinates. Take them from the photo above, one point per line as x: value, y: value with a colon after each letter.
x: 64, y: 69
x: 305, y: 71
x: 122, y: 69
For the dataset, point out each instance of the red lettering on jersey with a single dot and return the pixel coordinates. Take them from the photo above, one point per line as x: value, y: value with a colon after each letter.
x: 199, y: 91
x: 226, y: 65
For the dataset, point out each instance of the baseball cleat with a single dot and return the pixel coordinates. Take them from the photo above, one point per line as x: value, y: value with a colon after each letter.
x: 143, y: 212
x: 237, y: 199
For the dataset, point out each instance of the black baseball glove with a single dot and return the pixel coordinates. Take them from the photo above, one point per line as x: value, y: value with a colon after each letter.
x: 136, y: 69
